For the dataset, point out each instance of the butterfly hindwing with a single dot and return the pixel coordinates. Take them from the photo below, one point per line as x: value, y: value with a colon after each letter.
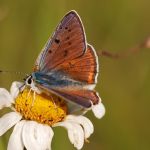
x: 82, y: 97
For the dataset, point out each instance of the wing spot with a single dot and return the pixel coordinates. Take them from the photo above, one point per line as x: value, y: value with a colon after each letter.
x: 50, y: 51
x: 68, y: 38
x: 65, y: 53
x: 69, y: 30
x: 66, y: 28
x: 69, y: 43
x: 57, y: 41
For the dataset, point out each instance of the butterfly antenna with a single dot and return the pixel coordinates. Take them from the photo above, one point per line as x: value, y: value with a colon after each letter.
x: 12, y: 72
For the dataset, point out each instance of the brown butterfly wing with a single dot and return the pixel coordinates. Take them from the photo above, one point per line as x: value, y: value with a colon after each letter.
x: 67, y: 43
x: 83, y: 68
x: 82, y: 97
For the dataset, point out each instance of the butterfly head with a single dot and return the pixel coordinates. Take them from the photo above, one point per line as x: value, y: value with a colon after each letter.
x: 29, y: 82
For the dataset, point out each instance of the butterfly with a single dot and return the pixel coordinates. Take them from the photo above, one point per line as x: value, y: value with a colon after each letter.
x: 67, y: 66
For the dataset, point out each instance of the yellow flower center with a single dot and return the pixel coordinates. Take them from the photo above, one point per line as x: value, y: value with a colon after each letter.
x: 40, y: 107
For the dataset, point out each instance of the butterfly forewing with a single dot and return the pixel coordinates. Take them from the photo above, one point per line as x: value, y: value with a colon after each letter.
x: 67, y: 43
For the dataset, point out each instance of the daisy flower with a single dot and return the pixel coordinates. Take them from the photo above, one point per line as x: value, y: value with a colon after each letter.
x: 34, y: 118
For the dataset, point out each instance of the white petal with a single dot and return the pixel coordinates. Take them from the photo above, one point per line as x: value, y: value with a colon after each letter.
x: 15, y: 141
x: 98, y: 110
x: 14, y: 90
x: 9, y: 120
x: 85, y: 122
x: 37, y: 136
x: 5, y: 98
x: 75, y: 133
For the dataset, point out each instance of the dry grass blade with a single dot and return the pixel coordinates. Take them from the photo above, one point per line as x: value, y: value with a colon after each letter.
x: 126, y: 53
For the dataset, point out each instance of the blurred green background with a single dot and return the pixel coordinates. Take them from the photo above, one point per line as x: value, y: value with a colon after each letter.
x: 123, y: 84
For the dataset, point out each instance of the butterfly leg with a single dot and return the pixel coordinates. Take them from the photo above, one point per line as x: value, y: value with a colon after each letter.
x: 29, y: 93
x: 53, y: 102
x: 55, y: 106
x: 34, y: 97
x: 21, y: 88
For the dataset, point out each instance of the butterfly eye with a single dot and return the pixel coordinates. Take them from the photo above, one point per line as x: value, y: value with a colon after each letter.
x: 29, y: 80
